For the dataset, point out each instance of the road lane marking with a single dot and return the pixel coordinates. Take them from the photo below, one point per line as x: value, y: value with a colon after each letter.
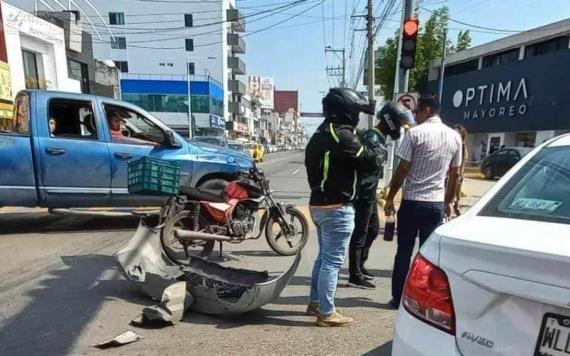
x: 295, y: 171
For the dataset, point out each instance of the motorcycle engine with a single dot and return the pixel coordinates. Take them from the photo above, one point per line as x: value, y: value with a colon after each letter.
x: 243, y: 220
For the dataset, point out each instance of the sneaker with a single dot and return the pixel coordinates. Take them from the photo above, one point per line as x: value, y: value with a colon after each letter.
x: 312, y: 309
x: 366, y: 274
x: 362, y: 283
x: 334, y: 319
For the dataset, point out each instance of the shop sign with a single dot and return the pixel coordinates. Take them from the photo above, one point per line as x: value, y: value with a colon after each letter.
x: 490, y: 100
x: 217, y: 122
x: 527, y: 95
x: 242, y: 127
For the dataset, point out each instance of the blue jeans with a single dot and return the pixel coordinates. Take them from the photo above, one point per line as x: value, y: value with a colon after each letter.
x: 334, y: 227
x: 413, y: 217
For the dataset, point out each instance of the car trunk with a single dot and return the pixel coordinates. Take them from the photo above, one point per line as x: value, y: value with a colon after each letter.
x: 506, y: 277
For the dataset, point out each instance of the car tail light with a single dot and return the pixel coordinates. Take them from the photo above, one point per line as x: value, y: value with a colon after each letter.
x: 427, y: 295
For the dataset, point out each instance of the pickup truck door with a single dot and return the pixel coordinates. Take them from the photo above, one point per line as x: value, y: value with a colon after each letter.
x: 74, y: 157
x: 138, y: 136
x: 17, y: 178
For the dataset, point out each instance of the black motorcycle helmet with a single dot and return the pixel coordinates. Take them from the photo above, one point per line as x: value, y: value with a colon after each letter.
x: 343, y: 106
x: 392, y: 117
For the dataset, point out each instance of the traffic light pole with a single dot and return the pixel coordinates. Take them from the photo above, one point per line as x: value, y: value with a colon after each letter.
x: 371, y: 61
x: 402, y: 75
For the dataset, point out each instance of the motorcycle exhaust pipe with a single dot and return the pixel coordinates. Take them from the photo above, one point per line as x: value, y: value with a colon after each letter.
x: 197, y: 235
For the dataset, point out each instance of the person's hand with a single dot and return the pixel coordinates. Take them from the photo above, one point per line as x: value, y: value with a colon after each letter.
x: 448, y: 211
x: 389, y: 208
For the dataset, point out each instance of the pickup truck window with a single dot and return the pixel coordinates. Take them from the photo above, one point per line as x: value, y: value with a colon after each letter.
x: 20, y: 124
x: 127, y: 126
x: 72, y: 119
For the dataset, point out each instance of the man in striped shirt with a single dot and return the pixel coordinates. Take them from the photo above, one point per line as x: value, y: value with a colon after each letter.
x: 428, y: 153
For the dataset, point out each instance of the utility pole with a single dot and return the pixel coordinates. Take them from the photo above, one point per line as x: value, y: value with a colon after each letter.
x: 329, y: 49
x: 442, y: 66
x: 402, y: 75
x: 371, y: 62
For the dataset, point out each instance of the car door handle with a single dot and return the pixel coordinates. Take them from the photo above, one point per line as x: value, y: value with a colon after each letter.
x: 123, y: 155
x: 55, y: 150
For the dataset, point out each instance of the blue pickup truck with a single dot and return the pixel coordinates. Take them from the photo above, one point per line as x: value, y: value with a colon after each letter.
x: 64, y: 150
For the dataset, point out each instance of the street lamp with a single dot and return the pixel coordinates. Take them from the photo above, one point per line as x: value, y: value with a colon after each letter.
x: 189, y: 91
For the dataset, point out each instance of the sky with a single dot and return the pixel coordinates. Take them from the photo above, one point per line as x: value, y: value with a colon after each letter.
x: 293, y: 52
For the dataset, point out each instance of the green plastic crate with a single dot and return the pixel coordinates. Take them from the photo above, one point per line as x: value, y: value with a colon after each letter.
x: 154, y: 176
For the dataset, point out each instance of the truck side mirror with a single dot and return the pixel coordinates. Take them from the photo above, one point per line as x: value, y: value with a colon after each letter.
x: 170, y: 140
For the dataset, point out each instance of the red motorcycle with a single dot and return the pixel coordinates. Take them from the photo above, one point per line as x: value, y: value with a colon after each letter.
x: 234, y: 211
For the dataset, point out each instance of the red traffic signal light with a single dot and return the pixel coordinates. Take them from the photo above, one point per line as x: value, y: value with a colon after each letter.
x: 411, y: 27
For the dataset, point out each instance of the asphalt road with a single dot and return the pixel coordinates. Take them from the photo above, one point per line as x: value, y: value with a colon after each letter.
x: 61, y: 292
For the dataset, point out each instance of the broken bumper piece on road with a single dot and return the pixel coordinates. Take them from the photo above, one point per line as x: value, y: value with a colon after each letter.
x: 210, y: 287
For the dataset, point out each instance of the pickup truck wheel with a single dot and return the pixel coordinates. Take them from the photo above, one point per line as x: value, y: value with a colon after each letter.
x: 177, y: 250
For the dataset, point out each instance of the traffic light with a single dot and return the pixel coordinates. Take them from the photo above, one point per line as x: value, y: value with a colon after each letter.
x: 410, y: 30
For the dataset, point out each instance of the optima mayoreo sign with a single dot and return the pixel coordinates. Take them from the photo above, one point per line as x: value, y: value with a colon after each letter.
x: 492, y: 100
x: 529, y: 95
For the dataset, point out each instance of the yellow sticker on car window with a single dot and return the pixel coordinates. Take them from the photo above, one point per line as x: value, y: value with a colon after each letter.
x: 547, y: 206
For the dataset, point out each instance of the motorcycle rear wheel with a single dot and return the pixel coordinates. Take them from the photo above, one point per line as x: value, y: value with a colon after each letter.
x: 283, y: 244
x: 174, y: 248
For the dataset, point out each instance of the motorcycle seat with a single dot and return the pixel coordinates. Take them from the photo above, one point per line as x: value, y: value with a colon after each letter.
x: 203, y: 194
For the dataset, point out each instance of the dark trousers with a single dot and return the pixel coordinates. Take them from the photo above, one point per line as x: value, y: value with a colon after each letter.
x: 413, y: 217
x: 366, y: 225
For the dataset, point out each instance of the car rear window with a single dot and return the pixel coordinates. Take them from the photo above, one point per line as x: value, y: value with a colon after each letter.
x: 540, y: 190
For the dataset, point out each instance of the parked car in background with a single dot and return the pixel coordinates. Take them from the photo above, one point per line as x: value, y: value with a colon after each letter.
x: 67, y: 150
x: 498, y: 163
x: 272, y: 148
x: 212, y: 140
x: 495, y: 280
x: 256, y: 151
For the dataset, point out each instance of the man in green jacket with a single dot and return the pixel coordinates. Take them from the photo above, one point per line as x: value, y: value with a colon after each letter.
x: 366, y: 222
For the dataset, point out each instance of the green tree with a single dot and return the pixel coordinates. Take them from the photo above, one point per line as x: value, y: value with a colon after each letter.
x: 429, y: 47
x: 463, y: 40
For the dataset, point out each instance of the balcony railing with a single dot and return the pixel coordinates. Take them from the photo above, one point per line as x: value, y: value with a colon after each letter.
x: 236, y: 108
x: 237, y: 87
x: 236, y: 19
x: 236, y: 64
x: 236, y: 42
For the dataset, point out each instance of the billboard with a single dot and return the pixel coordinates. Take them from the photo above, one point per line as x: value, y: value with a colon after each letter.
x: 261, y: 88
x: 526, y: 95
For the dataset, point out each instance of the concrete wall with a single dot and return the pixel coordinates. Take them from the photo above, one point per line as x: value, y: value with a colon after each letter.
x: 25, y: 31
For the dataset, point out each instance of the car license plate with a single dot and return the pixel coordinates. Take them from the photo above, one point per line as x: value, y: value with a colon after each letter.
x: 554, y: 336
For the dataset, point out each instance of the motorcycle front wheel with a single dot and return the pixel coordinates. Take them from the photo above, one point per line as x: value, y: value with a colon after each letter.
x: 178, y: 251
x: 287, y: 244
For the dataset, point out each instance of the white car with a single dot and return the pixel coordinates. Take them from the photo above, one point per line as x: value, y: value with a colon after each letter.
x: 496, y: 281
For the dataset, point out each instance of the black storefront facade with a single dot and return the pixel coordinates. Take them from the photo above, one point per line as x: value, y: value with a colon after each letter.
x: 520, y: 103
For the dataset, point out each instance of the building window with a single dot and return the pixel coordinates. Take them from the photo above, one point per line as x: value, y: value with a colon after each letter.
x: 158, y: 103
x: 116, y: 18
x: 123, y: 66
x: 80, y: 71
x: 200, y: 104
x: 191, y: 68
x: 118, y: 42
x: 459, y: 68
x: 33, y: 77
x: 551, y: 45
x: 189, y: 44
x: 511, y: 55
x: 188, y: 20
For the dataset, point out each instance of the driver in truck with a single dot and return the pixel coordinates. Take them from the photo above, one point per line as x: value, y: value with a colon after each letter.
x: 116, y: 125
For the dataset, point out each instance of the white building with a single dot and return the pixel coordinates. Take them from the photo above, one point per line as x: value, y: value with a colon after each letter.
x: 160, y: 48
x: 36, y: 52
